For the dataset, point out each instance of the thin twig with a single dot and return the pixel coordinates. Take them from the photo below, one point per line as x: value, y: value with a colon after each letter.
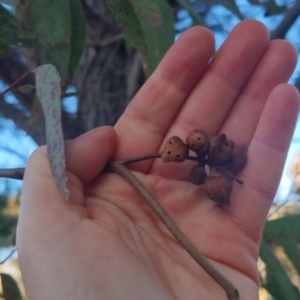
x: 230, y: 175
x: 119, y: 168
x: 139, y: 158
x: 17, y: 173
x: 9, y: 88
x: 8, y: 256
x: 289, y: 19
x: 150, y: 156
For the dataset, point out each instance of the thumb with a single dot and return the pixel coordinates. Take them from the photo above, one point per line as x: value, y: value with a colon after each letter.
x: 42, y: 205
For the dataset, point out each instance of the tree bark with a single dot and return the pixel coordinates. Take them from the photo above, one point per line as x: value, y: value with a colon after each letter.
x: 101, y: 75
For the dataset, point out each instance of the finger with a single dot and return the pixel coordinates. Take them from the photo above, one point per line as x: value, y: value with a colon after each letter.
x: 42, y: 203
x: 217, y: 91
x: 149, y: 115
x: 267, y: 153
x: 275, y: 67
x: 87, y: 155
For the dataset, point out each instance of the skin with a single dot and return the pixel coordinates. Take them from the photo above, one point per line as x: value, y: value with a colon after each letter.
x: 105, y: 243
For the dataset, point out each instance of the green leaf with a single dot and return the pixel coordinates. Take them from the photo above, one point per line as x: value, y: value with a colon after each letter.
x: 159, y: 38
x: 50, y: 22
x: 147, y: 11
x: 49, y: 93
x: 129, y: 23
x: 78, y: 34
x: 26, y: 88
x: 272, y: 8
x: 189, y: 7
x: 4, y: 49
x: 291, y: 249
x: 283, y: 229
x: 285, y: 232
x: 10, y: 32
x: 9, y: 2
x: 277, y: 283
x: 10, y: 288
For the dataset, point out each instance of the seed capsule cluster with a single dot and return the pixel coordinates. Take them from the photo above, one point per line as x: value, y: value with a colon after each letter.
x: 218, y: 153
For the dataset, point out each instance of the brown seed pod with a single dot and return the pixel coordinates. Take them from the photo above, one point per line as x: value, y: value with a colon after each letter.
x: 220, y: 149
x: 174, y: 150
x: 218, y: 188
x: 198, y: 174
x: 237, y: 160
x: 198, y: 141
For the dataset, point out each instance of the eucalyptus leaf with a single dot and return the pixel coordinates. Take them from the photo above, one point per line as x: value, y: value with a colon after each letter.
x: 232, y: 6
x: 10, y: 288
x: 78, y: 34
x: 291, y: 249
x: 10, y: 31
x: 50, y: 21
x: 272, y: 8
x: 4, y: 49
x: 147, y: 11
x: 49, y: 93
x: 159, y: 38
x: 129, y: 24
x: 9, y: 2
x: 26, y: 88
x: 195, y: 16
x: 283, y: 229
x: 277, y: 283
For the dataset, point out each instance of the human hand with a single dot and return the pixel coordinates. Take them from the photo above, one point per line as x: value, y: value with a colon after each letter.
x: 106, y: 243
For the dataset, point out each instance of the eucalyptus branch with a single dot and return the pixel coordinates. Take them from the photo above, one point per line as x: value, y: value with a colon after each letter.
x: 231, y: 176
x: 10, y: 88
x: 119, y: 168
x: 17, y: 173
x: 8, y: 256
x: 289, y: 19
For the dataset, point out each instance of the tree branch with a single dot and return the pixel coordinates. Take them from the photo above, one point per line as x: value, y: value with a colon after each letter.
x: 17, y: 173
x: 231, y: 291
x: 290, y: 17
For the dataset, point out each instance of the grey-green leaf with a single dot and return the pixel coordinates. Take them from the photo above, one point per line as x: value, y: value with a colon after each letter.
x: 291, y: 249
x: 50, y: 21
x: 49, y: 93
x: 129, y: 23
x: 232, y: 6
x: 10, y: 288
x: 278, y: 283
x: 272, y: 8
x: 283, y: 229
x: 10, y: 31
x: 147, y: 11
x: 189, y: 7
x: 159, y: 38
x: 9, y: 2
x: 78, y: 34
x: 285, y: 232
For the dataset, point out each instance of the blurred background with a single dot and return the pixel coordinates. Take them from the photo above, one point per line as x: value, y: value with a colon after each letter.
x: 104, y: 56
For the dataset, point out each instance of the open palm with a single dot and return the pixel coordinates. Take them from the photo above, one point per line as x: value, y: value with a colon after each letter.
x: 106, y: 243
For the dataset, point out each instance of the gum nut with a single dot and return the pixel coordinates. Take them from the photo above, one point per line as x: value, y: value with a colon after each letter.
x: 237, y: 160
x: 198, y: 175
x: 198, y: 141
x: 174, y: 150
x: 220, y: 149
x: 218, y: 189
